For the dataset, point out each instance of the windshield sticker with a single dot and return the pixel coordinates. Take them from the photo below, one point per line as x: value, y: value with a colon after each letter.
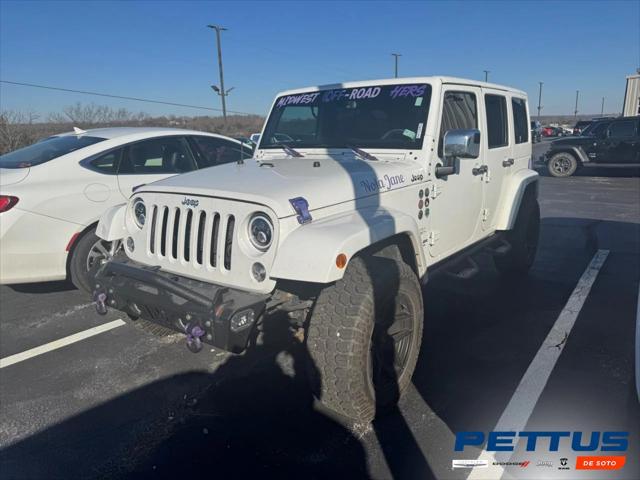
x: 419, y: 132
x: 409, y: 133
x: 408, y: 91
x: 384, y: 183
x: 359, y: 93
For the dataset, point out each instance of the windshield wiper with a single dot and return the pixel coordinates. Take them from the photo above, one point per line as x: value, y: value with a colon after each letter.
x: 290, y: 151
x: 361, y: 153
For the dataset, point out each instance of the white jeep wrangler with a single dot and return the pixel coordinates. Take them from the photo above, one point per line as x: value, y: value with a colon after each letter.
x: 356, y: 195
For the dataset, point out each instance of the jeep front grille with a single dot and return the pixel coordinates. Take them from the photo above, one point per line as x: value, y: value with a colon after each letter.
x: 192, y: 236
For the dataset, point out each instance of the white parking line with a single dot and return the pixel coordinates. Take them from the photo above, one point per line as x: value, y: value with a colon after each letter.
x: 524, y: 399
x: 56, y: 344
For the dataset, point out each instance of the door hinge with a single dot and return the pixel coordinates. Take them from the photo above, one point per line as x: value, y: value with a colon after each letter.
x: 485, y: 214
x: 435, y: 191
x: 433, y: 237
x: 487, y: 176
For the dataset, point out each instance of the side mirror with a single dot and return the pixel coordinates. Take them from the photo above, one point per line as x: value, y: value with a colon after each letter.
x: 458, y: 144
x: 462, y: 143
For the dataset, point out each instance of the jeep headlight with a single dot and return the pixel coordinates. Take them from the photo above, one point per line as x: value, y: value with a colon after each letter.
x: 139, y: 212
x: 260, y: 231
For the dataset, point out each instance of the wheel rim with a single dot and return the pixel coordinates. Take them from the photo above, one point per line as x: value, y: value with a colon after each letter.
x: 102, y: 251
x: 391, y: 343
x: 561, y: 165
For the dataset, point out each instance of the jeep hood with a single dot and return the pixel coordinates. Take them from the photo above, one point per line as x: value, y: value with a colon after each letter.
x: 323, y: 180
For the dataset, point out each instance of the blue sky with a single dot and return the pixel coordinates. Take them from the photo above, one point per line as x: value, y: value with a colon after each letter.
x: 162, y: 50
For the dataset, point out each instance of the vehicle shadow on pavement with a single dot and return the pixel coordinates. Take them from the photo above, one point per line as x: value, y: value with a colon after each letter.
x: 254, y: 416
x: 43, y: 287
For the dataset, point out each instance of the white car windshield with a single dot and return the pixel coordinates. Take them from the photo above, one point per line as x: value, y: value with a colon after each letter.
x: 45, y: 150
x: 378, y: 116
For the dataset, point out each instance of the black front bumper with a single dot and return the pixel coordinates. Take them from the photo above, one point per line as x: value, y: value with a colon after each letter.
x: 220, y: 316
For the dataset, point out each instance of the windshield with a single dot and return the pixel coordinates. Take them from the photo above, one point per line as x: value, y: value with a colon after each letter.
x: 45, y: 150
x: 380, y: 116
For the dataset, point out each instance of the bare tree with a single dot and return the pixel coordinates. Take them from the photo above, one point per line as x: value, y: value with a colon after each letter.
x: 15, y: 131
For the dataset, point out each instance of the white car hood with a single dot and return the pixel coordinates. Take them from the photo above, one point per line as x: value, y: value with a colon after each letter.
x: 320, y: 179
x: 10, y: 176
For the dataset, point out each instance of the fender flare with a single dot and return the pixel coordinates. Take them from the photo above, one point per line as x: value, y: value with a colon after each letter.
x: 111, y: 225
x: 577, y: 151
x: 309, y: 253
x: 520, y: 182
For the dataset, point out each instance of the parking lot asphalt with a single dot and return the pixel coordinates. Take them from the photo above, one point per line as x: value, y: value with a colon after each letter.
x: 126, y: 403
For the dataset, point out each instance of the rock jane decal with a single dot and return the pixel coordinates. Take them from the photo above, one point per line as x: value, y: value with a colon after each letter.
x: 383, y: 183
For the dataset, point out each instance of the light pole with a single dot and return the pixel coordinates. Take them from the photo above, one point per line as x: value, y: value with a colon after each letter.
x: 486, y: 75
x: 396, y: 55
x: 220, y: 91
x: 575, y: 112
x: 539, y: 100
x: 602, y: 108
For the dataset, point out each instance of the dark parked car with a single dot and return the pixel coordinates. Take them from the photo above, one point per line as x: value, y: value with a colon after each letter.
x: 536, y: 131
x: 612, y: 143
x: 581, y: 125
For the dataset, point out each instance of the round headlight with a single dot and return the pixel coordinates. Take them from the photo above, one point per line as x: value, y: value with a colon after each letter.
x: 139, y: 212
x: 261, y: 231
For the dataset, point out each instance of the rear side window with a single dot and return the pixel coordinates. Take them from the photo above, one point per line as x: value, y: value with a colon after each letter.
x: 46, y: 150
x: 107, y: 163
x: 519, y: 107
x: 216, y: 151
x: 157, y: 156
x: 497, y: 134
x: 459, y: 111
x: 626, y: 128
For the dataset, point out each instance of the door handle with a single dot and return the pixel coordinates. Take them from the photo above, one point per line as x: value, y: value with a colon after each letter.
x: 480, y: 170
x: 508, y: 162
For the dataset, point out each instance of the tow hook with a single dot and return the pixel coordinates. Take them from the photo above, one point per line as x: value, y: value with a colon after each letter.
x: 100, y: 299
x: 194, y: 332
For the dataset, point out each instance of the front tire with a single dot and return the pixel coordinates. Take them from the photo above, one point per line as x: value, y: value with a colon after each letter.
x: 562, y: 165
x: 88, y: 251
x: 364, y: 337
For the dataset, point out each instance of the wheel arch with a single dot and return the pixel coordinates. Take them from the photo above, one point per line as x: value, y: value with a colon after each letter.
x: 577, y: 152
x: 523, y: 183
x: 309, y: 253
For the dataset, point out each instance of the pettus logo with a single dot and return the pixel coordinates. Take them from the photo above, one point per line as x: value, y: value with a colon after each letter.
x: 190, y: 202
x: 469, y: 463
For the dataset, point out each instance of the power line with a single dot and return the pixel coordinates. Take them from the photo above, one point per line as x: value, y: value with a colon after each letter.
x: 108, y: 95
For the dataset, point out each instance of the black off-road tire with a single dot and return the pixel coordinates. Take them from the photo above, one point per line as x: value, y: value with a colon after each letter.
x: 347, y: 332
x: 523, y: 239
x: 562, y: 165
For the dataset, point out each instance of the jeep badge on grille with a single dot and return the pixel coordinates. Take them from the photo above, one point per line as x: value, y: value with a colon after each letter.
x: 190, y: 202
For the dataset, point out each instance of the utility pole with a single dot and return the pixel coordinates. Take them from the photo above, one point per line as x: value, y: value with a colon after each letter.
x: 396, y: 55
x: 602, y: 108
x: 539, y: 100
x: 220, y: 91
x: 575, y: 112
x: 486, y: 75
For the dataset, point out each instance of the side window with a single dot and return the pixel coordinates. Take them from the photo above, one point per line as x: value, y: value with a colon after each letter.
x: 626, y: 128
x: 520, y: 128
x: 215, y: 151
x: 107, y: 163
x: 497, y: 132
x: 459, y: 111
x: 157, y: 156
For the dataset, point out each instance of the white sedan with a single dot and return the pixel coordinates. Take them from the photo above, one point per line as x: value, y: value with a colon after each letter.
x: 53, y: 193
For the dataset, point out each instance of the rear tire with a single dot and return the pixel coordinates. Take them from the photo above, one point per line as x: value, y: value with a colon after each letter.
x: 523, y: 239
x: 562, y: 165
x: 364, y: 337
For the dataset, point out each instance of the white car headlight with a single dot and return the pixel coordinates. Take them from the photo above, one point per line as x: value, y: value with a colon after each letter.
x: 260, y: 231
x: 139, y: 212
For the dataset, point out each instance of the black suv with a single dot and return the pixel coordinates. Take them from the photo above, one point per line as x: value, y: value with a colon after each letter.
x: 605, y: 143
